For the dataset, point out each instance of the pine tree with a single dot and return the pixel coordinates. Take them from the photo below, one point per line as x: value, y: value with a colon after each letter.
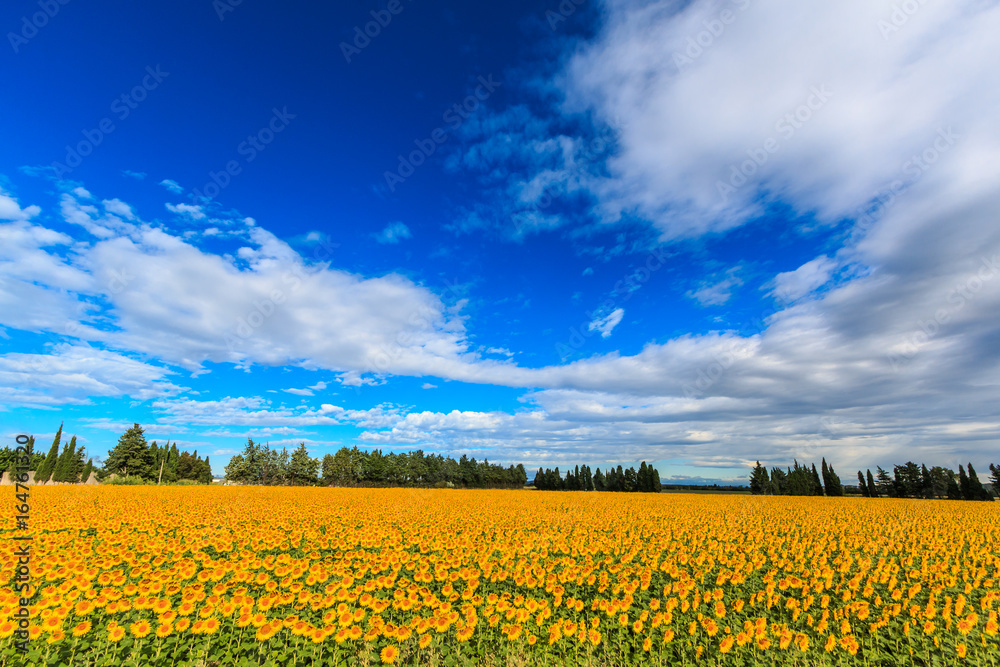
x: 760, y: 484
x: 995, y: 477
x: 45, y: 470
x: 657, y: 486
x: 131, y: 456
x: 862, y: 485
x: 872, y: 488
x: 884, y: 482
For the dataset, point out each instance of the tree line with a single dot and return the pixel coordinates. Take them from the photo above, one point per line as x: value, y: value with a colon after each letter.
x: 645, y: 480
x: 260, y: 464
x: 65, y: 462
x: 918, y: 481
x: 135, y: 459
x: 907, y: 481
x: 132, y: 457
x: 797, y: 480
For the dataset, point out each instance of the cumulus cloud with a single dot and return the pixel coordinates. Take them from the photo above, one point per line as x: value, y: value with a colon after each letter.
x: 793, y: 285
x: 10, y: 210
x: 172, y: 186
x: 394, y: 232
x: 821, y: 132
x: 72, y: 374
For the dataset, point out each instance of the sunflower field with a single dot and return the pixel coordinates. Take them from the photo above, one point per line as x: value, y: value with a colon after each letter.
x: 323, y: 576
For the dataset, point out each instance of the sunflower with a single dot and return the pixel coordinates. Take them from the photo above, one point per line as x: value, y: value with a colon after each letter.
x: 425, y: 641
x: 183, y: 624
x: 164, y: 630
x: 81, y: 629
x: 140, y: 629
x: 389, y: 654
x: 116, y: 634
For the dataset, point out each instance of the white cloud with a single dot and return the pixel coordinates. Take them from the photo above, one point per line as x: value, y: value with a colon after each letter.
x: 190, y: 210
x: 607, y: 324
x: 72, y: 374
x: 793, y: 285
x: 10, y: 210
x: 394, y: 232
x: 172, y: 186
x: 717, y: 108
x: 716, y: 293
x: 428, y: 385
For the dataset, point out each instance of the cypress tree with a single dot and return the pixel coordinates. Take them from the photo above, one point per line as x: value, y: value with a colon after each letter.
x: 87, y: 470
x: 863, y: 486
x: 834, y: 487
x: 872, y: 488
x: 976, y: 489
x: 954, y: 492
x: 44, y: 471
x: 64, y: 465
x: 817, y: 485
x: 963, y: 484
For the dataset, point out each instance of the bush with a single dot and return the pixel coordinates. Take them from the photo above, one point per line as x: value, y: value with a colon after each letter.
x: 187, y: 482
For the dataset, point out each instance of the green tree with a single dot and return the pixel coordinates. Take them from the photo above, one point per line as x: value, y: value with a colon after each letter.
x: 885, y: 484
x: 131, y: 456
x: 862, y: 485
x: 976, y: 489
x: 302, y: 468
x: 817, y: 485
x: 872, y: 488
x: 87, y: 470
x: 963, y: 484
x: 47, y: 467
x: 59, y: 472
x: 995, y: 477
x: 760, y: 483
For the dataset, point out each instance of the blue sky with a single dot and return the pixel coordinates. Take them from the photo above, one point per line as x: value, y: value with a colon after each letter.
x: 552, y: 234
